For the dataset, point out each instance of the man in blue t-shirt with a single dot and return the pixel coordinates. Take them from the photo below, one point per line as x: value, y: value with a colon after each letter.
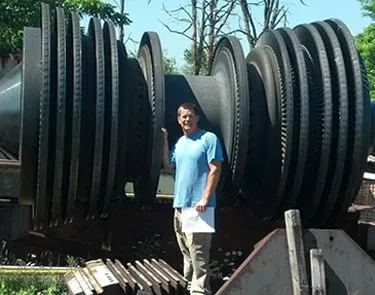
x: 196, y: 158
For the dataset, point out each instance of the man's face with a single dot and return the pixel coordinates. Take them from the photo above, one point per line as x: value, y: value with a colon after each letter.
x: 188, y: 120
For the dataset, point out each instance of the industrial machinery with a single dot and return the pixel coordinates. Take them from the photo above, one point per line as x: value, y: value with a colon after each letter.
x: 80, y: 120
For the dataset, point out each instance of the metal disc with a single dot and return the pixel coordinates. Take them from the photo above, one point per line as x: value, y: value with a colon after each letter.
x: 274, y: 40
x: 31, y: 88
x: 42, y: 197
x: 154, y: 73
x: 56, y: 208
x: 229, y: 51
x: 301, y: 118
x: 124, y: 111
x: 112, y: 114
x: 264, y: 157
x: 88, y: 110
x: 138, y: 113
x: 95, y: 32
x: 339, y: 121
x: 359, y: 117
x: 320, y: 120
x: 74, y: 102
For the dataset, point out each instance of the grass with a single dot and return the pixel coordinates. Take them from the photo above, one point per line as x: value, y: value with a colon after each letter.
x: 29, y: 283
x: 32, y: 284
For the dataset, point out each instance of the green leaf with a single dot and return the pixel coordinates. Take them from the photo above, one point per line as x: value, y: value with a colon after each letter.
x: 366, y: 47
x: 17, y: 14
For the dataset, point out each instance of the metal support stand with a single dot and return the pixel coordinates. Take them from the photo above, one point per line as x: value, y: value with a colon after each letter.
x: 273, y: 266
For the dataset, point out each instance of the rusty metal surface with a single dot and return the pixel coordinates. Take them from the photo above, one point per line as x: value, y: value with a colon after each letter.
x: 349, y: 270
x: 99, y: 277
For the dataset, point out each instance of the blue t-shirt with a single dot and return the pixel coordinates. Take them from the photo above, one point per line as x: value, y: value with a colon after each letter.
x: 191, y: 156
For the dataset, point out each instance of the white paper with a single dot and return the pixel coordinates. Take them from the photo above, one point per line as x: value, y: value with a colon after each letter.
x: 369, y: 176
x: 198, y: 222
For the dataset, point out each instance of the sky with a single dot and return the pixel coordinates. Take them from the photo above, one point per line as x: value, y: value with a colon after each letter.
x: 150, y: 17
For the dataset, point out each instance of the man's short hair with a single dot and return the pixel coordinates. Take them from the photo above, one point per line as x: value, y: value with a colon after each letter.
x: 188, y: 106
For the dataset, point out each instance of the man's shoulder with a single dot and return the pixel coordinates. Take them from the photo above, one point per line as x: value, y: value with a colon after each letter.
x: 209, y: 135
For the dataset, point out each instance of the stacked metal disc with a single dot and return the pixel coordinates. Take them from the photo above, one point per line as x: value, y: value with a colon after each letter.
x: 312, y: 121
x: 95, y: 126
x: 294, y: 119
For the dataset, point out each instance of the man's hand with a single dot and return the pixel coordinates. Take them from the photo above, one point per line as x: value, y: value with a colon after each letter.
x: 213, y: 179
x: 201, y: 205
x: 166, y: 162
x: 165, y: 133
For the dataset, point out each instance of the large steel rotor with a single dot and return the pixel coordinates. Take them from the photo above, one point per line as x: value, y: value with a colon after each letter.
x: 293, y: 116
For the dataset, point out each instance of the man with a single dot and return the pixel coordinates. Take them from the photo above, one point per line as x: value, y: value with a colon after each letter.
x: 196, y: 158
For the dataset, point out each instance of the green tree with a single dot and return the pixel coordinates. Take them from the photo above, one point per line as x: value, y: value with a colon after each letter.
x: 204, y: 22
x: 366, y: 47
x: 16, y: 14
x: 366, y: 43
x: 170, y: 65
x: 188, y: 67
x: 368, y: 7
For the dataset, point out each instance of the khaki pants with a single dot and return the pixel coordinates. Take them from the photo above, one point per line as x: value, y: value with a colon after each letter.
x: 195, y: 248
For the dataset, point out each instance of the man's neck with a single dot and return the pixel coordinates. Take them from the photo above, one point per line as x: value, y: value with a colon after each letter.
x: 191, y: 132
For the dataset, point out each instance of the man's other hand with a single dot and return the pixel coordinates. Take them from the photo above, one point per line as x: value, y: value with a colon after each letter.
x: 201, y: 205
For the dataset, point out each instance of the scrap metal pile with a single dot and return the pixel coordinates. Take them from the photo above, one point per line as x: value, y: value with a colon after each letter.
x: 147, y: 278
x: 84, y: 118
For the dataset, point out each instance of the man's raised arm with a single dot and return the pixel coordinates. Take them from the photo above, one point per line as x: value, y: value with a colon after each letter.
x: 168, y: 166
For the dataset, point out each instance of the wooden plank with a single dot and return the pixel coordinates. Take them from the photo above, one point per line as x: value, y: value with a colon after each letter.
x: 296, y: 253
x: 318, y: 276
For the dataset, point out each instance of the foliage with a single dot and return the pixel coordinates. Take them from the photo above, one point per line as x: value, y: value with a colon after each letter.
x: 17, y: 14
x: 188, y: 68
x: 205, y: 22
x: 73, y: 261
x: 169, y: 64
x: 30, y: 284
x: 368, y: 6
x: 366, y: 47
x: 6, y: 256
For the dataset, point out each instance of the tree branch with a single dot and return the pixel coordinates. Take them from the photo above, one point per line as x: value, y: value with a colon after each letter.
x: 171, y: 14
x: 226, y: 15
x: 250, y: 28
x: 183, y: 33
